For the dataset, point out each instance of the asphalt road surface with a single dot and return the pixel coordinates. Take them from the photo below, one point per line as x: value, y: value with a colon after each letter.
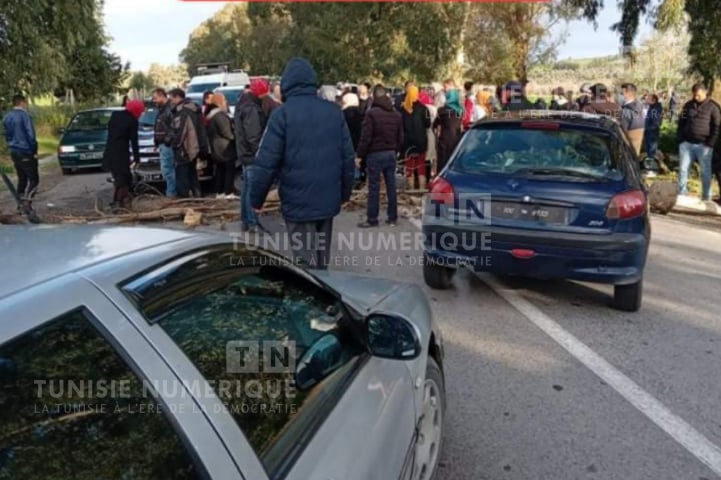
x: 543, y: 379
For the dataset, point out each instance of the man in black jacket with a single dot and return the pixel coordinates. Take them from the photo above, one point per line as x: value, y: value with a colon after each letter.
x: 250, y: 120
x: 698, y: 131
x: 632, y: 117
x: 189, y: 141
x: 163, y: 123
x: 381, y: 139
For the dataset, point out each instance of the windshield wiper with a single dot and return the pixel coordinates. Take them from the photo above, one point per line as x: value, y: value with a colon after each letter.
x: 560, y: 172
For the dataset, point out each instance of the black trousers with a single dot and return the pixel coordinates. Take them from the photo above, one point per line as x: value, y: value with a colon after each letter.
x: 26, y: 168
x: 123, y: 182
x: 310, y: 243
x: 186, y: 179
x: 224, y: 177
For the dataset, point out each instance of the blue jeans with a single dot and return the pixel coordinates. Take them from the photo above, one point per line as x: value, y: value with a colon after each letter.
x: 167, y: 166
x: 650, y: 140
x: 247, y: 214
x: 381, y: 163
x: 688, y: 152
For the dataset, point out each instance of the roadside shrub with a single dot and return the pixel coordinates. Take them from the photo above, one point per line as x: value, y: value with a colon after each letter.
x: 668, y: 145
x: 48, y: 119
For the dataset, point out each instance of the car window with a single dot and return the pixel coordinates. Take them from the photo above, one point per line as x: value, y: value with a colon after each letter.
x: 232, y: 95
x: 71, y: 408
x: 203, y: 87
x: 97, y: 120
x: 230, y: 312
x: 520, y: 150
x: 149, y: 115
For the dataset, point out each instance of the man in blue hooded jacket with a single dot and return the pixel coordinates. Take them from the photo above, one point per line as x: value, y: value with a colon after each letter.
x: 23, y: 146
x: 307, y: 147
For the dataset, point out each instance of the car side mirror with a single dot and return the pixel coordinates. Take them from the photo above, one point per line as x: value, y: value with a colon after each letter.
x: 392, y: 336
x: 323, y: 357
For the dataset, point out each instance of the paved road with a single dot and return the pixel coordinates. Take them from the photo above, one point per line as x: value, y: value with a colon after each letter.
x: 522, y: 407
x: 627, y: 396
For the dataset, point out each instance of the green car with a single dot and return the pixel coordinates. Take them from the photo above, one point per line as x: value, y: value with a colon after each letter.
x: 83, y: 141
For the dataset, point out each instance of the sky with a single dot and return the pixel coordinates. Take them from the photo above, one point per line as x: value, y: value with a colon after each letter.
x: 155, y: 31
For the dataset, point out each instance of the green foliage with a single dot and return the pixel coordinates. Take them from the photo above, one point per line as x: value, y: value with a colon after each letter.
x: 46, y: 44
x: 380, y: 41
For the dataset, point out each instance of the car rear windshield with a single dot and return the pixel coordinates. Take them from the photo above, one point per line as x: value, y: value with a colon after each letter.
x: 552, y: 150
x: 97, y: 120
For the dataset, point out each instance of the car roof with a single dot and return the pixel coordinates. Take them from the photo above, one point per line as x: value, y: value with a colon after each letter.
x: 563, y: 117
x: 32, y: 255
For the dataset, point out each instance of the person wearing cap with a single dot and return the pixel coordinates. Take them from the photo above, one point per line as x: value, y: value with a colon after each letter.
x: 250, y: 120
x: 122, y: 139
x: 307, y: 148
x: 513, y: 98
x: 600, y: 104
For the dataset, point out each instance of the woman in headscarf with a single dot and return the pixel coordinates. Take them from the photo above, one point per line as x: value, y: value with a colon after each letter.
x: 416, y: 121
x: 448, y: 128
x: 122, y: 138
x: 485, y: 108
x: 350, y: 104
x: 328, y: 92
x: 222, y: 146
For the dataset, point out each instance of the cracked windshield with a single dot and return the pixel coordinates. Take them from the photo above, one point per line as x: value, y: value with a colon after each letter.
x: 360, y: 240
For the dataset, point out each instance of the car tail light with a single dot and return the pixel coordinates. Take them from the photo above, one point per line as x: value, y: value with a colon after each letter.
x: 441, y: 191
x: 627, y: 205
x: 523, y: 253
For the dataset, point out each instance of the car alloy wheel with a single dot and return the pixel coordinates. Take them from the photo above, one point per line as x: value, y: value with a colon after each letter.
x: 428, y: 444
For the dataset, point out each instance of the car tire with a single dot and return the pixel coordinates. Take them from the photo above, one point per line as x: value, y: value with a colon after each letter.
x: 429, y: 443
x: 628, y: 298
x: 437, y: 277
x: 66, y: 171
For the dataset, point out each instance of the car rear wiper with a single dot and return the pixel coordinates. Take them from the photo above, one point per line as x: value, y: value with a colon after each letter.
x: 562, y: 172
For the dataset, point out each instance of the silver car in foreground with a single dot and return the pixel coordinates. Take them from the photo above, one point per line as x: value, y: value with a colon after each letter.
x: 136, y: 353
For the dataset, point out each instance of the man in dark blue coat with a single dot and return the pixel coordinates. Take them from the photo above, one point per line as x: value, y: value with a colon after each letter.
x: 308, y: 148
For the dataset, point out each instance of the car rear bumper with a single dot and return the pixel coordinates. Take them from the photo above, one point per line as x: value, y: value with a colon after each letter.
x: 615, y: 258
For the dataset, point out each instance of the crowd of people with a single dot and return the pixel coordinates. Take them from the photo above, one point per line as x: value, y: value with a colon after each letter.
x: 316, y: 145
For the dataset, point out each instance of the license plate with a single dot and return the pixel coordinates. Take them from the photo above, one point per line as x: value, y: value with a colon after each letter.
x: 148, y: 150
x: 539, y: 213
x: 154, y: 177
x: 91, y: 156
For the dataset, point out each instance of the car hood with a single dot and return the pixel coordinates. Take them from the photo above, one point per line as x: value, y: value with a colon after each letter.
x: 371, y: 294
x: 72, y: 137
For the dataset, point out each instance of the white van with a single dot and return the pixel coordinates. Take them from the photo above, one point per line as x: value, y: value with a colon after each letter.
x: 209, y: 82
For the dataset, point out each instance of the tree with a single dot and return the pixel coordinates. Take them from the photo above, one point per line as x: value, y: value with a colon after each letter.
x: 43, y: 42
x: 167, y: 76
x: 704, y: 26
x: 141, y: 82
x: 506, y: 39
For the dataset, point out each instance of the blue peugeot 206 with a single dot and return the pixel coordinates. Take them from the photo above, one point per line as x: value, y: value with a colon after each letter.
x: 541, y: 195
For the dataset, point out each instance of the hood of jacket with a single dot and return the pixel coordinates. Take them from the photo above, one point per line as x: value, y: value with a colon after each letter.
x: 383, y: 102
x: 188, y: 104
x: 298, y: 78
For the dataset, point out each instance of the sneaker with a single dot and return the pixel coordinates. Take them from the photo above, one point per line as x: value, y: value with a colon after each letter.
x: 367, y: 224
x: 392, y: 223
x: 220, y: 196
x: 232, y: 196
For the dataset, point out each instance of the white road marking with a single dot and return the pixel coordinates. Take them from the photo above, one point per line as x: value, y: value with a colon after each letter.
x: 676, y: 427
